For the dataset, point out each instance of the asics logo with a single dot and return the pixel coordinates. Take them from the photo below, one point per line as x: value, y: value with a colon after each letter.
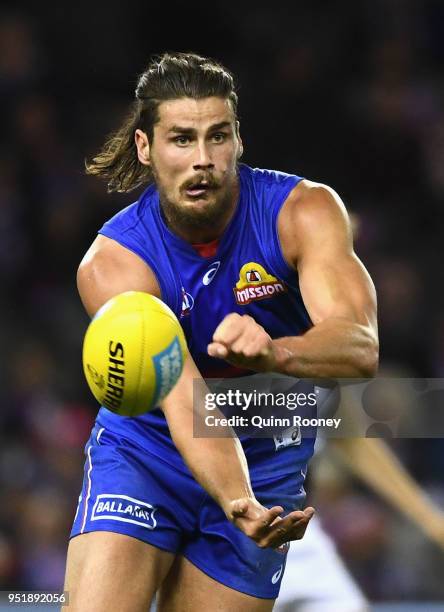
x: 277, y: 575
x: 211, y: 273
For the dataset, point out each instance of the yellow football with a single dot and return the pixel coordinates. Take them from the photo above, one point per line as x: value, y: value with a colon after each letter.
x: 133, y: 353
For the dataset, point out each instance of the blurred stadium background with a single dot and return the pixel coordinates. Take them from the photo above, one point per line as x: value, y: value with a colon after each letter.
x: 347, y: 93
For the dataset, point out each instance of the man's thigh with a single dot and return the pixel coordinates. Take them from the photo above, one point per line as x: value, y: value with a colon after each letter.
x: 188, y: 589
x: 110, y: 571
x: 133, y: 513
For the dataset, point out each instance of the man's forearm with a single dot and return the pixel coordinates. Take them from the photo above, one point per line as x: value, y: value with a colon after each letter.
x: 333, y: 348
x: 218, y: 464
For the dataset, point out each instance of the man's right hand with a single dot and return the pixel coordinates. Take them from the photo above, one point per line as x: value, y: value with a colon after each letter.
x: 265, y: 526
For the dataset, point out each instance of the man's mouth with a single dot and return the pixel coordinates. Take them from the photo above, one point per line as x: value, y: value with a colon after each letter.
x: 198, y: 189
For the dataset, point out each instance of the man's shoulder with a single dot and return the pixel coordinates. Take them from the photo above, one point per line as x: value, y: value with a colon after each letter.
x: 313, y: 202
x: 312, y: 213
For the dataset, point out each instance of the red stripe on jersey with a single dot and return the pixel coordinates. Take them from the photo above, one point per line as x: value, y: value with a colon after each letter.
x: 207, y: 249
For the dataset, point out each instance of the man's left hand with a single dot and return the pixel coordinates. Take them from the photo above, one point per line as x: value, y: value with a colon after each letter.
x: 244, y: 343
x: 265, y: 526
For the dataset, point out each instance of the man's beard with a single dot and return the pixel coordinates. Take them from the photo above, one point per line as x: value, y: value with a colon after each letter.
x: 192, y: 219
x: 189, y: 218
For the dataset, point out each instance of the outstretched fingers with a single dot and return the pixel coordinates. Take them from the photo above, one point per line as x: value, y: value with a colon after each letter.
x: 291, y: 527
x: 270, y: 517
x: 266, y: 526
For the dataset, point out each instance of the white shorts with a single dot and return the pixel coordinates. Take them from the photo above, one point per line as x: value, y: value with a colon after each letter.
x: 316, y: 579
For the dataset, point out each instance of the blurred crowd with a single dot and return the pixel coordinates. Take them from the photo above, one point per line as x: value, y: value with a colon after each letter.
x: 346, y: 93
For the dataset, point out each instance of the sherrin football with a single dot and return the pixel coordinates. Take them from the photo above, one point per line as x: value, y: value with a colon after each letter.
x: 133, y: 353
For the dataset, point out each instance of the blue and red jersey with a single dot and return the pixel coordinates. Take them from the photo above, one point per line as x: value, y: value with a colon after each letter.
x: 244, y: 271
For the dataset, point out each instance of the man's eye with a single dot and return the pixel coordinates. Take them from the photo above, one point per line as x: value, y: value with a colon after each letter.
x: 181, y: 140
x: 219, y: 137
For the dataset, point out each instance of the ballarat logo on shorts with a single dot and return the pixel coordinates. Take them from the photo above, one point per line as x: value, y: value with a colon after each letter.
x: 256, y: 284
x: 125, y: 509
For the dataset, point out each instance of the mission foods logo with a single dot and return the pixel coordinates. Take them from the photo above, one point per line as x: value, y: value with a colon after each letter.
x: 256, y: 284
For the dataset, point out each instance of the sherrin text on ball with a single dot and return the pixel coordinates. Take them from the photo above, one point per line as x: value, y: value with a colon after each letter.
x: 133, y: 353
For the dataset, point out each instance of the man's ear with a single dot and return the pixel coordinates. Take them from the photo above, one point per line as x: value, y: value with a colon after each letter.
x: 241, y: 146
x: 143, y: 147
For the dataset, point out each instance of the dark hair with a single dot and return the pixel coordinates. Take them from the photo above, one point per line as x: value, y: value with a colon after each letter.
x: 168, y: 77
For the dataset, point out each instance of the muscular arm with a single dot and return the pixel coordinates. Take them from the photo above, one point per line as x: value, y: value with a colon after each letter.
x: 337, y: 291
x: 218, y: 464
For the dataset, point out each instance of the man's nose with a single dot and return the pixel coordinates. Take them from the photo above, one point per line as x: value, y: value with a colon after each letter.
x: 203, y: 157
